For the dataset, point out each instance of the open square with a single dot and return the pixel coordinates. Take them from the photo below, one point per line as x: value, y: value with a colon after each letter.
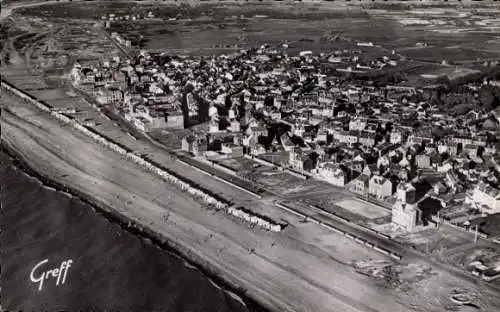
x: 362, y: 208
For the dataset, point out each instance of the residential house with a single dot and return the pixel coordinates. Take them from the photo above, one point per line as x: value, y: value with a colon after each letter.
x: 370, y: 170
x: 367, y: 138
x: 358, y: 124
x: 213, y: 126
x: 420, y: 139
x: 299, y: 130
x: 235, y: 126
x: 348, y: 137
x: 300, y: 160
x: 322, y: 136
x: 471, y: 150
x: 333, y: 174
x: 480, y: 140
x: 380, y: 187
x: 430, y: 148
x: 250, y: 141
x: 385, y: 148
x: 453, y: 182
x: 399, y: 172
x: 453, y: 148
x: 398, y: 136
x: 286, y: 142
x: 194, y: 145
x: 442, y: 147
x: 258, y: 129
x: 490, y: 149
x: 423, y: 161
x: 462, y: 139
x: 360, y: 184
x: 238, y: 138
x: 258, y: 149
x: 383, y: 161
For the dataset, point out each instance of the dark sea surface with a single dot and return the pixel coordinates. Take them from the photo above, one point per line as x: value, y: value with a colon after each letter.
x: 112, y: 269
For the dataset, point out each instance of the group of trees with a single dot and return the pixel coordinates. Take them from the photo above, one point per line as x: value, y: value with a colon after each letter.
x: 461, y: 99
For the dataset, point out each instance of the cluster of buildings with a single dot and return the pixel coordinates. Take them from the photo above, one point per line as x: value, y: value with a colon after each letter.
x: 112, y: 17
x: 378, y: 141
x: 138, y: 90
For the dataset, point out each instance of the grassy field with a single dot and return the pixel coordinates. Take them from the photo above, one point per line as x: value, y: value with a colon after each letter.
x: 365, y: 209
x: 215, y: 27
x: 451, y: 54
x: 190, y: 9
x: 348, y: 207
x: 489, y: 225
x: 284, y: 183
x: 240, y: 164
x: 328, y: 203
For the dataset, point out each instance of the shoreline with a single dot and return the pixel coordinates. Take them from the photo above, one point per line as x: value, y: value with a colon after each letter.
x: 147, y: 235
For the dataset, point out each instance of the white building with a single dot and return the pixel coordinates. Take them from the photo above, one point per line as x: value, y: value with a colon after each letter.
x: 332, y: 174
x: 380, y: 186
x: 487, y: 198
x: 405, y: 216
x: 357, y: 124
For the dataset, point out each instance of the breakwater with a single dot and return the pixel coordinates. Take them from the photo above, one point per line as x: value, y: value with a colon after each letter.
x: 255, y: 219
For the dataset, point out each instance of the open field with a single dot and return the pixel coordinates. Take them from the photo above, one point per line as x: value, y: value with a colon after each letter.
x: 170, y: 138
x: 451, y: 54
x: 365, y: 209
x: 388, y: 26
x: 348, y: 207
x: 214, y: 27
x: 453, y: 246
x: 240, y: 164
x: 489, y: 225
x: 284, y: 183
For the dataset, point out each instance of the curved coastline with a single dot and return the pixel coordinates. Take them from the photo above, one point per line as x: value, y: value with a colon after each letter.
x: 146, y: 235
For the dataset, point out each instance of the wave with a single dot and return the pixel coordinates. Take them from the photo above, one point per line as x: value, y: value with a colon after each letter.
x: 236, y: 297
x: 214, y: 284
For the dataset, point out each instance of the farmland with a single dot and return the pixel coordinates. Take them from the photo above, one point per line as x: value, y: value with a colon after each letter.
x: 221, y: 27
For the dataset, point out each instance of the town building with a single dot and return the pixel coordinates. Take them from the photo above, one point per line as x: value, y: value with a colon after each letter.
x: 360, y: 184
x: 380, y: 187
x: 333, y: 174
